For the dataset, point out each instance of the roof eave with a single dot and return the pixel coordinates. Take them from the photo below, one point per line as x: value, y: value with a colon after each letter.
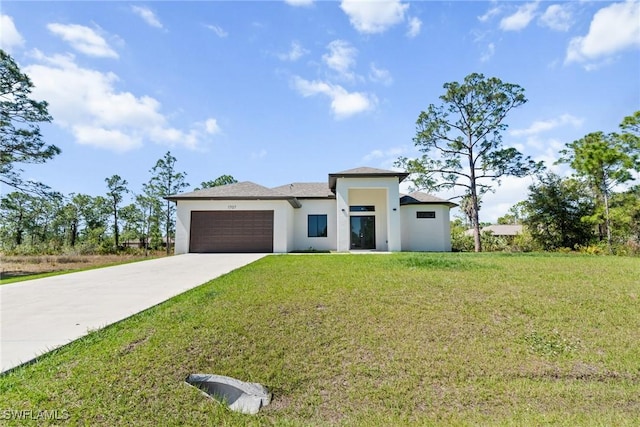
x: 333, y: 177
x: 293, y: 201
x: 444, y: 202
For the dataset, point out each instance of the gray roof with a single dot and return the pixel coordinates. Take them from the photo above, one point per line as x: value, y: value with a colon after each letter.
x: 307, y: 190
x: 239, y: 190
x: 365, y: 172
x: 420, y: 198
x: 246, y: 190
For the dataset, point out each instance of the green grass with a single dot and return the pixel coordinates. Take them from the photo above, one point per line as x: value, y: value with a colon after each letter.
x: 26, y: 277
x: 418, y: 339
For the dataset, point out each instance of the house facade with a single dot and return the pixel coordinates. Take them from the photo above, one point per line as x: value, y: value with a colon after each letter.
x: 357, y: 209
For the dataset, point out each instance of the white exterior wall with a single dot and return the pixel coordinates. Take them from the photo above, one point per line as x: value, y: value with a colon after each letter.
x: 282, y: 219
x: 385, y: 196
x: 426, y: 234
x: 301, y: 241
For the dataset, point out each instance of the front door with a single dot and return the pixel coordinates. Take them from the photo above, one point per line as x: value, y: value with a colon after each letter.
x: 363, y: 232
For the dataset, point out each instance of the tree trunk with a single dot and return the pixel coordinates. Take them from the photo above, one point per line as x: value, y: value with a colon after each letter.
x: 115, y: 226
x: 475, y: 219
x: 167, y: 228
x: 19, y: 230
x: 476, y: 222
x: 607, y: 220
x: 146, y: 233
x: 74, y: 232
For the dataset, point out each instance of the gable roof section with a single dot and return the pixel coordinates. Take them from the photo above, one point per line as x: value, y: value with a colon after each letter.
x: 306, y: 190
x: 420, y: 198
x: 246, y: 190
x: 365, y: 172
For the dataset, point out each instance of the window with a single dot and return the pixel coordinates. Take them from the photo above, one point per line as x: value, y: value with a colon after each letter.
x: 362, y: 208
x: 426, y: 214
x: 317, y: 226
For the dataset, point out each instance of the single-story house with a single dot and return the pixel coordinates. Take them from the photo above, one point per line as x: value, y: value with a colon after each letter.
x: 358, y: 209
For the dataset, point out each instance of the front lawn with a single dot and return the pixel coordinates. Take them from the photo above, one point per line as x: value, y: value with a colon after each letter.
x: 365, y: 340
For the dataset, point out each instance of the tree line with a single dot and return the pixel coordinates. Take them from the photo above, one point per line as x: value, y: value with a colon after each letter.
x: 81, y: 223
x: 460, y: 141
x: 593, y: 206
x: 36, y: 219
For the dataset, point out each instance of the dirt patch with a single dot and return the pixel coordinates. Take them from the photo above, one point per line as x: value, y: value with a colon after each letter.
x: 18, y: 266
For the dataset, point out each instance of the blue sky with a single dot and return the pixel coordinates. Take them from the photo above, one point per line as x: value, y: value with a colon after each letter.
x: 288, y: 91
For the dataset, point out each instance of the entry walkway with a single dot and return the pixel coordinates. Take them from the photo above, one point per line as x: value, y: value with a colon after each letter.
x: 39, y: 315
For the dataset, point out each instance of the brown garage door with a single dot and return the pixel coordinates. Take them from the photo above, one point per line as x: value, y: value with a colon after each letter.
x: 231, y: 231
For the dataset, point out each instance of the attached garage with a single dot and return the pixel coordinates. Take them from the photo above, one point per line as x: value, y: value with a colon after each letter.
x: 231, y: 231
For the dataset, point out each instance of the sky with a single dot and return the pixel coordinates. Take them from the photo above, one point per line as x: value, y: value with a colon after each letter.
x: 277, y: 92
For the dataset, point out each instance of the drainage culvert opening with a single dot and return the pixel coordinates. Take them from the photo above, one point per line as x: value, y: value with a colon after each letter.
x: 239, y: 396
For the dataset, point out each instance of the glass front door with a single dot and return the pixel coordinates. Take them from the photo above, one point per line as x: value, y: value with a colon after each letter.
x: 363, y: 232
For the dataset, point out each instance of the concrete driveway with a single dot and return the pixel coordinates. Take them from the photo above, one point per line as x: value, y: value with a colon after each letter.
x: 37, y: 316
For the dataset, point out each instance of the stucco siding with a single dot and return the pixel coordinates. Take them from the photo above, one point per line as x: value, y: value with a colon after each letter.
x: 426, y: 234
x: 384, y: 194
x: 301, y: 241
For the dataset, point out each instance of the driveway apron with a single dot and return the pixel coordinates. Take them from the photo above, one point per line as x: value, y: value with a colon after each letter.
x: 40, y: 315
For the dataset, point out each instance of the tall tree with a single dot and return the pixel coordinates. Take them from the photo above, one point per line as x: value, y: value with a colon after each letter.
x: 219, y: 181
x: 117, y: 188
x: 605, y: 161
x: 555, y: 210
x: 631, y: 126
x: 151, y: 208
x: 461, y: 141
x: 16, y: 214
x: 625, y: 214
x: 166, y: 181
x: 133, y: 223
x: 20, y: 138
x: 70, y: 215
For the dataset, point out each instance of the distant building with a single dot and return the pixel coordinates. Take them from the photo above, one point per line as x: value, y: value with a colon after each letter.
x: 499, y: 230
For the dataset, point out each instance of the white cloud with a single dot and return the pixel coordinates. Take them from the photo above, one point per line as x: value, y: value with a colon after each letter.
x: 147, y: 15
x: 384, y: 158
x: 495, y: 10
x: 520, y: 19
x: 219, y: 31
x: 414, y: 27
x: 341, y: 57
x: 511, y: 191
x: 10, y: 37
x: 614, y: 28
x: 488, y: 53
x: 97, y: 114
x: 83, y: 39
x: 111, y: 139
x: 259, y: 154
x: 211, y: 126
x: 296, y: 3
x: 380, y: 75
x: 372, y: 17
x: 541, y: 126
x: 343, y: 103
x: 557, y: 17
x: 296, y: 52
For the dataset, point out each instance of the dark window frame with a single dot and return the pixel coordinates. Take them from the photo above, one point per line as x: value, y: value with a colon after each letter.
x: 314, y: 228
x: 362, y: 208
x: 426, y: 214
